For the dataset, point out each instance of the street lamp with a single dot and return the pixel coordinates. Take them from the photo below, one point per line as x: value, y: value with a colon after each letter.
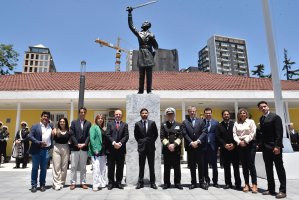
x: 82, y: 84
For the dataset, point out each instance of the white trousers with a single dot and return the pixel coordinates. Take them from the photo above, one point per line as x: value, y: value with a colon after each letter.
x: 60, y: 156
x: 78, y: 162
x: 99, y: 171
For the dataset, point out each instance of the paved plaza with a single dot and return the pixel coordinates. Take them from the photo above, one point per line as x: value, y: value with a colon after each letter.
x: 15, y: 184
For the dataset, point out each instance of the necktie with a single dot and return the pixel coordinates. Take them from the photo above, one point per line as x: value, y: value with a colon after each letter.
x: 263, y: 119
x: 117, y: 125
x: 144, y: 127
x: 193, y: 122
x: 208, y: 124
x: 226, y: 124
x: 208, y: 127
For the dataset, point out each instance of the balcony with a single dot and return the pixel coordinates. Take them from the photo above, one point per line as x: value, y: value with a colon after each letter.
x: 224, y: 45
x: 240, y: 47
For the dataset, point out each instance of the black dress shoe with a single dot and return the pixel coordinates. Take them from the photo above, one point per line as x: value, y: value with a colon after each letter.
x: 165, y: 186
x: 192, y: 186
x: 281, y: 195
x: 216, y: 185
x: 238, y: 187
x: 204, y: 186
x: 267, y: 192
x: 110, y: 186
x: 33, y: 189
x: 227, y: 187
x: 153, y: 185
x: 178, y: 186
x: 139, y: 185
x: 119, y: 186
x: 42, y: 188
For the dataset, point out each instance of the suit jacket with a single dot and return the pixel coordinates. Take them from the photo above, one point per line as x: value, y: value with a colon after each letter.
x: 191, y: 134
x: 271, y: 131
x: 211, y: 134
x: 95, y: 136
x: 35, y: 136
x: 225, y: 135
x: 118, y: 135
x: 171, y: 134
x: 79, y: 136
x: 146, y: 142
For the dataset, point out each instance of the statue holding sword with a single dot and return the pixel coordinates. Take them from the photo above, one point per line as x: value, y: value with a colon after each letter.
x: 147, y: 47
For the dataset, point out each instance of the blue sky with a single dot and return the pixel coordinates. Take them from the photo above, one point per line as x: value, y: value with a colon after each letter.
x: 70, y: 27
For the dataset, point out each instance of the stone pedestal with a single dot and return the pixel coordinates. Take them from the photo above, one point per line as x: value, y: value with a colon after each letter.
x: 290, y: 162
x: 134, y: 103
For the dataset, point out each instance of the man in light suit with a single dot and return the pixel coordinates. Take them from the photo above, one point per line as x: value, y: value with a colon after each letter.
x: 41, y: 143
x: 211, y: 148
x: 146, y: 133
x: 118, y: 135
x: 271, y: 144
x: 194, y: 133
x: 79, y: 132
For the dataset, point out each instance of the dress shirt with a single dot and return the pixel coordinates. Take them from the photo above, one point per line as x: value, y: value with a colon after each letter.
x: 244, y: 131
x: 46, y: 133
x: 82, y: 124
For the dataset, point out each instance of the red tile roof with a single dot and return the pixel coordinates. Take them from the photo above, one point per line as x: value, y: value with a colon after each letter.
x: 129, y: 81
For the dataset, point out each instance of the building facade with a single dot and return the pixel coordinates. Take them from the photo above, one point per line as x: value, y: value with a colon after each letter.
x: 24, y: 96
x: 38, y: 59
x: 224, y: 55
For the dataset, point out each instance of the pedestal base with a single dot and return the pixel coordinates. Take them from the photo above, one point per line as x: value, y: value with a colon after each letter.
x: 134, y: 103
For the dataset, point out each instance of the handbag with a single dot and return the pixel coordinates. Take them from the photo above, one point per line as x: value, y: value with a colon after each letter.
x: 18, y: 149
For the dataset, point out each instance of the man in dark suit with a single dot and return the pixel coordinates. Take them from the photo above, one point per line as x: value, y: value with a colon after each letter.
x: 294, y: 137
x: 224, y: 134
x: 118, y: 135
x: 41, y: 143
x: 146, y: 133
x: 79, y: 132
x: 271, y: 141
x: 211, y: 149
x: 194, y: 133
x: 171, y: 138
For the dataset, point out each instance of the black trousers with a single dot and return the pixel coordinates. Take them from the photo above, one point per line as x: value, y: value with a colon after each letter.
x: 196, y: 158
x: 23, y: 160
x: 115, y: 160
x: 3, y: 145
x: 231, y: 158
x: 210, y: 156
x: 247, y: 157
x: 172, y: 160
x: 151, y: 165
x: 269, y: 158
x: 148, y: 71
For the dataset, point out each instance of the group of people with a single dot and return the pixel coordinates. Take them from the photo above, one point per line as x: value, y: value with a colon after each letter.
x: 238, y: 142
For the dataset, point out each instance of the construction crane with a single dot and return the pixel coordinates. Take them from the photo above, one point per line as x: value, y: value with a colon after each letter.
x: 118, y: 51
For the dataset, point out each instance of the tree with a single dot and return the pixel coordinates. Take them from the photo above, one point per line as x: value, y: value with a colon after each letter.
x: 288, y: 66
x: 8, y: 59
x: 260, y: 71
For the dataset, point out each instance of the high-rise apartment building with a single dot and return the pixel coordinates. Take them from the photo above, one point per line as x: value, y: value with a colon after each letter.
x: 165, y: 60
x: 38, y: 59
x: 224, y: 55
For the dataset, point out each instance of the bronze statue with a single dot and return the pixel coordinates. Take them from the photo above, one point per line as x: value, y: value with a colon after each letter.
x: 147, y: 45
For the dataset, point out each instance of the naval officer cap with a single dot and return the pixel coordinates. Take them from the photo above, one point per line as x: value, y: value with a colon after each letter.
x: 169, y: 110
